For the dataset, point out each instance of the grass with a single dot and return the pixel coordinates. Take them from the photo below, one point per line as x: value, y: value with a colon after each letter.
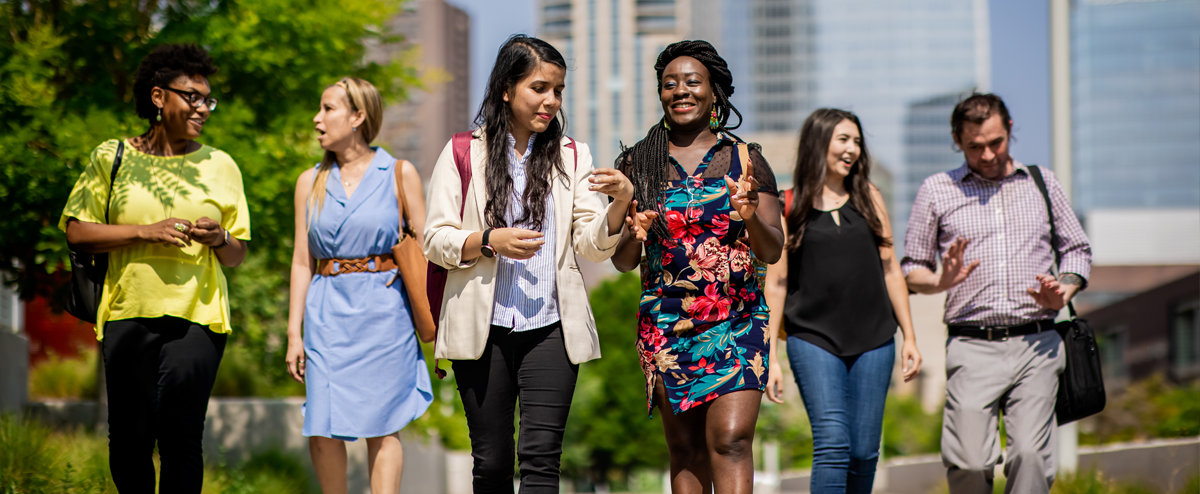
x: 35, y: 459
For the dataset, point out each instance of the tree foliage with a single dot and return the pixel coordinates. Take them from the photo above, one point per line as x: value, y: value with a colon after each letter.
x: 66, y: 78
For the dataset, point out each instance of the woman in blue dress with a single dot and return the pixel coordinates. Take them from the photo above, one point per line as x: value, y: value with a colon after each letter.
x: 359, y: 358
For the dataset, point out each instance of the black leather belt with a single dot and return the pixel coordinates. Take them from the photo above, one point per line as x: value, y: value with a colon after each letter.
x: 1001, y: 333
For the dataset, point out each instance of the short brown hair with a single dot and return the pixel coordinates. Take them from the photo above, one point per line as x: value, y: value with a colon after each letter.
x: 976, y: 109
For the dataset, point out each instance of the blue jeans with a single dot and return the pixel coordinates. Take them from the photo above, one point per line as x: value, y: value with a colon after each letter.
x: 844, y: 397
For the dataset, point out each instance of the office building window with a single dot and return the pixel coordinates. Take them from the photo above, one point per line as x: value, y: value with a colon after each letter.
x: 1185, y: 339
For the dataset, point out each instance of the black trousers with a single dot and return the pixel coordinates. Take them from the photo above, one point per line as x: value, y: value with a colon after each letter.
x: 159, y: 374
x: 532, y: 366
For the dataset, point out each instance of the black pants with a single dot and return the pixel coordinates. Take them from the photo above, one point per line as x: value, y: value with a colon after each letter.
x: 532, y: 366
x: 159, y: 373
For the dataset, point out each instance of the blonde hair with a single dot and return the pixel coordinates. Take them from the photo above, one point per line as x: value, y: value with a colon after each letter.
x: 363, y: 96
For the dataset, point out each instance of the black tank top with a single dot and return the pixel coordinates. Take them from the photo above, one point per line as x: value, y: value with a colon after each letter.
x: 836, y: 296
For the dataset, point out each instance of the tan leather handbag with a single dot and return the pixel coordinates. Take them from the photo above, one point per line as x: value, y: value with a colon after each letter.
x: 412, y: 266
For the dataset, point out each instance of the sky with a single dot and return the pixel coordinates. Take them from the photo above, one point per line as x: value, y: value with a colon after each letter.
x: 492, y: 22
x: 1019, y: 47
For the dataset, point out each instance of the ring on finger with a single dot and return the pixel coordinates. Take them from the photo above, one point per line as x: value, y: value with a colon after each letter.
x: 180, y: 227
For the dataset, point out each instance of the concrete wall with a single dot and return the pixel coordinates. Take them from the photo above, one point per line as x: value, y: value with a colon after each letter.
x: 14, y: 371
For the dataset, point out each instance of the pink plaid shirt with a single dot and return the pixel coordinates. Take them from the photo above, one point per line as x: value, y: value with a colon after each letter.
x: 1009, y: 231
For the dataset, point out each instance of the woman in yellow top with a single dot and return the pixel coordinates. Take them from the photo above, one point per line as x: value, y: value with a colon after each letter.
x: 175, y: 210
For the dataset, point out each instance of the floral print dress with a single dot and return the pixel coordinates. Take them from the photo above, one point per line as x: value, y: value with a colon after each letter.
x: 702, y: 320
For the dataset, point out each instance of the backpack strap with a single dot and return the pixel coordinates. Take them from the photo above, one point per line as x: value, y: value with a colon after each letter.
x: 573, y: 148
x: 461, y: 146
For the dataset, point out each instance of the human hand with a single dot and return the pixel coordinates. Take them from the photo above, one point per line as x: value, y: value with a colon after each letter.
x: 638, y: 222
x: 910, y: 360
x: 172, y: 231
x: 743, y: 196
x: 774, y: 380
x: 516, y: 243
x: 954, y: 269
x: 1049, y: 294
x: 611, y: 182
x: 208, y: 232
x: 295, y: 359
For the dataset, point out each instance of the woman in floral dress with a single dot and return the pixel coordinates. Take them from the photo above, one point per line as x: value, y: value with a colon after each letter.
x: 707, y: 199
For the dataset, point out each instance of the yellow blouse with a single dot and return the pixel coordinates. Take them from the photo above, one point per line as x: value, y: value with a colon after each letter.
x: 155, y: 280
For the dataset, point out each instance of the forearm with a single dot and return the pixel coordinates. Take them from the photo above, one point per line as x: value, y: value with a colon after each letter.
x: 898, y: 294
x: 99, y: 238
x: 232, y: 254
x: 301, y: 277
x: 775, y: 293
x: 471, y: 247
x: 617, y: 211
x: 1071, y: 285
x: 924, y: 281
x: 766, y: 240
x: 629, y: 253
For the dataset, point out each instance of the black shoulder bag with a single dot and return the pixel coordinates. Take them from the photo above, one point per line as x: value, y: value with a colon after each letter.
x: 1081, y: 385
x: 87, y: 269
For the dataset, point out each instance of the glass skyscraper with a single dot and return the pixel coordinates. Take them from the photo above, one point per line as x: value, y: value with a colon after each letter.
x: 1135, y: 75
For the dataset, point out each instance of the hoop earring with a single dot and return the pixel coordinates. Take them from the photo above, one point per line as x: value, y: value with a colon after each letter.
x: 159, y: 118
x: 666, y: 125
x: 713, y: 122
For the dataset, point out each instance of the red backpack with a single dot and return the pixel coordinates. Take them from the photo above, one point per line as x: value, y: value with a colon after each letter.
x: 435, y: 285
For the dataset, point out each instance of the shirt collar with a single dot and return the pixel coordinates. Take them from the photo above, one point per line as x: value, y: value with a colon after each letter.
x: 512, y: 143
x: 961, y: 173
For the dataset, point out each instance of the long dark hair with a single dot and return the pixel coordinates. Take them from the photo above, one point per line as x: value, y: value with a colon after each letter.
x: 647, y: 162
x: 809, y: 175
x: 519, y: 57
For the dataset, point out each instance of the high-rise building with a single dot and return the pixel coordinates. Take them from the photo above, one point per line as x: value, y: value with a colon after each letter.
x: 783, y: 80
x: 417, y: 129
x: 1135, y: 77
x: 611, y: 47
x: 928, y: 149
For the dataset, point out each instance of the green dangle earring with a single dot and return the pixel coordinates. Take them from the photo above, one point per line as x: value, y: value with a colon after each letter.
x: 713, y: 122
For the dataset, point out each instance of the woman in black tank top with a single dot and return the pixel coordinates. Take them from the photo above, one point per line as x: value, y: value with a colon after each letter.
x: 839, y: 294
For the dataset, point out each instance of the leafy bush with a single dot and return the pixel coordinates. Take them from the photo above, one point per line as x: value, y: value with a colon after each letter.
x: 908, y: 430
x: 65, y: 377
x: 1151, y: 408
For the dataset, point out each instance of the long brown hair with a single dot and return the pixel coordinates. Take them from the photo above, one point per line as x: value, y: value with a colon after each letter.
x: 809, y: 175
x: 361, y: 95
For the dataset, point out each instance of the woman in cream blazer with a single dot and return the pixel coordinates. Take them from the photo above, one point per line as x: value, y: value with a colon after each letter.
x: 515, y: 319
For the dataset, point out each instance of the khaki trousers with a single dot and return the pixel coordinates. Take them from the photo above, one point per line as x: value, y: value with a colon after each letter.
x: 1018, y: 377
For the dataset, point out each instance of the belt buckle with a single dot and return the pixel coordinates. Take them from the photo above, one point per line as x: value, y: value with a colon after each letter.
x: 1001, y: 338
x: 337, y: 268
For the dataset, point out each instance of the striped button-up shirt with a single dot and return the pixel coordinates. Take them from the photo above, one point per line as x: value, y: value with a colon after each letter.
x: 526, y: 292
x: 1009, y: 230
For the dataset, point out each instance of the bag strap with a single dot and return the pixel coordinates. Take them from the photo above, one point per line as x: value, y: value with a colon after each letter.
x: 1036, y: 173
x: 461, y: 146
x: 112, y: 177
x: 575, y: 150
x: 402, y: 200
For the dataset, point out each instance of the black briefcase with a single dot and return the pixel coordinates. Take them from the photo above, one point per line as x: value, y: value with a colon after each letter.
x: 1081, y: 385
x: 88, y: 270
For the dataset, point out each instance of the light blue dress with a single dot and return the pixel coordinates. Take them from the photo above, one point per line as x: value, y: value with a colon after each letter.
x: 365, y: 374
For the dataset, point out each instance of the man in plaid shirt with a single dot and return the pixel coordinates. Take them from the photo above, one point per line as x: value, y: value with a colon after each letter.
x: 987, y: 223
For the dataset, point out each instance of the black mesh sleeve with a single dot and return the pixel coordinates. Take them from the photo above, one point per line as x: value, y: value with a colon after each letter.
x: 762, y: 171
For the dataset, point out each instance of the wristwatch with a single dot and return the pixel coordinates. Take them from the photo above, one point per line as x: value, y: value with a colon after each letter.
x: 486, y: 249
x: 226, y: 239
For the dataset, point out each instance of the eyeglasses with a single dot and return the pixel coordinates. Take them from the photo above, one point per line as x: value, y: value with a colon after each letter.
x: 195, y: 99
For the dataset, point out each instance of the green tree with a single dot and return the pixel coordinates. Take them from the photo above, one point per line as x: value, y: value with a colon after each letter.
x: 609, y: 433
x: 66, y: 85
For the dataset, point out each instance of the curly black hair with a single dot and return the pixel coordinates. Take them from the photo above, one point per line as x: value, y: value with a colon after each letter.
x: 647, y: 162
x: 162, y: 66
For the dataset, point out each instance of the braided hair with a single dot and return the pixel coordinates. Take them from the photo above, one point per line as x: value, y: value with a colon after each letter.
x: 647, y: 163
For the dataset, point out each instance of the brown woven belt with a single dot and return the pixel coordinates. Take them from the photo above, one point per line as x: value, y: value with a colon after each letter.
x: 334, y: 267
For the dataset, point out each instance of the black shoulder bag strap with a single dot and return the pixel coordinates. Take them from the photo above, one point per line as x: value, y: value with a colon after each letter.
x: 112, y: 178
x: 1036, y: 173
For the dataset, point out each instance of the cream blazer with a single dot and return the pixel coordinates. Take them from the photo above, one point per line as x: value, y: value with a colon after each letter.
x: 582, y: 226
